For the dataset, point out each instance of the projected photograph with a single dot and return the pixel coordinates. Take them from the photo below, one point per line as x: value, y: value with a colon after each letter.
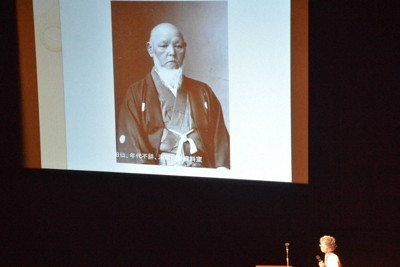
x: 170, y: 61
x: 157, y: 87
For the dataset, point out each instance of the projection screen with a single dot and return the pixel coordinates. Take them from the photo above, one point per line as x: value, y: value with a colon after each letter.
x: 78, y: 59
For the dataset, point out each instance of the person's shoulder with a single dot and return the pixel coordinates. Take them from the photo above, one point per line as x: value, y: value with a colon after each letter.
x: 334, y: 257
x: 139, y: 83
x: 197, y: 87
x: 137, y: 87
x: 192, y: 82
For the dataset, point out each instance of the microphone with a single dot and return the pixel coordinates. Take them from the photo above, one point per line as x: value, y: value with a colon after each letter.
x: 287, y: 254
x: 318, y: 258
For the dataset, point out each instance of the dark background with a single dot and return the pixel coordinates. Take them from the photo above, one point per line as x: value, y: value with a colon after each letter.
x: 66, y: 218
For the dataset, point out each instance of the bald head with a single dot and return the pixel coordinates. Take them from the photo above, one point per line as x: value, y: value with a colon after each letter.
x: 167, y: 46
x: 164, y: 28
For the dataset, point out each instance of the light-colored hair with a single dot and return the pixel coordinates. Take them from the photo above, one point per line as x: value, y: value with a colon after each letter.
x: 330, y: 242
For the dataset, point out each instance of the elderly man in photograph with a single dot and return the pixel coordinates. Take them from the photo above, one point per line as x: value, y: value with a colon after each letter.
x: 169, y: 119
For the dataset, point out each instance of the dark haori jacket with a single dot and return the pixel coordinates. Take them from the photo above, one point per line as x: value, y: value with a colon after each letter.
x: 140, y: 125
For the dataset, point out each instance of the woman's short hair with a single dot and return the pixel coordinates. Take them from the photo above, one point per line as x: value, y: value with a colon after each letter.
x: 330, y: 242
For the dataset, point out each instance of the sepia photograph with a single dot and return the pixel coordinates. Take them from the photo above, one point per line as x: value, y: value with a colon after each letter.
x: 171, y: 83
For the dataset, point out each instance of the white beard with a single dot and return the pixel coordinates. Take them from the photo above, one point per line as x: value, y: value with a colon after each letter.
x: 171, y: 78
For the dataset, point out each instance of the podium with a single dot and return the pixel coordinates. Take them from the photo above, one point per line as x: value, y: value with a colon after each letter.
x: 273, y: 266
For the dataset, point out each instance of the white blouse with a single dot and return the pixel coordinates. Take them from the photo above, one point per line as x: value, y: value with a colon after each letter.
x: 332, y: 260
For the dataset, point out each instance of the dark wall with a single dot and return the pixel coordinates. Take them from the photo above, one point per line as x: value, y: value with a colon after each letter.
x: 59, y: 218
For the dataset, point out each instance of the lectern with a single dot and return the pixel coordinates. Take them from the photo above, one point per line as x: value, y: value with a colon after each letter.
x: 272, y: 266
